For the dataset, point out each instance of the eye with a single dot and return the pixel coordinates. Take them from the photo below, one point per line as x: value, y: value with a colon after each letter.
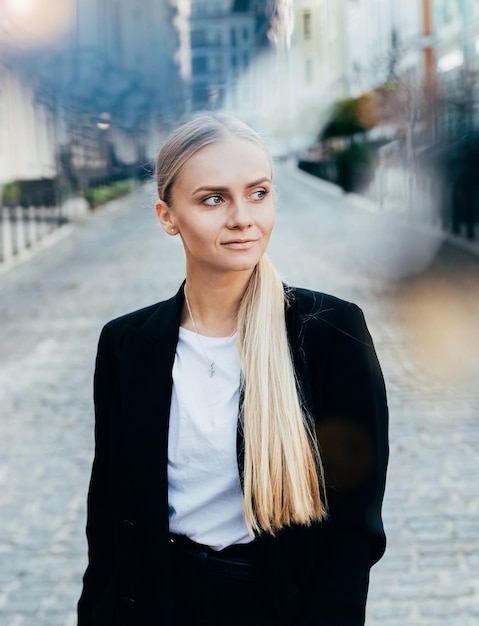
x: 259, y: 194
x: 212, y: 200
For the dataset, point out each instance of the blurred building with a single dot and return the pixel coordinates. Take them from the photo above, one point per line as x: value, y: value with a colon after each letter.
x: 219, y: 39
x: 328, y: 50
x: 423, y: 53
x: 318, y: 58
x: 456, y: 51
x: 382, y: 42
x: 89, y: 87
x: 101, y: 79
x: 454, y: 149
x: 325, y: 51
x: 28, y: 121
x: 27, y: 129
x: 121, y: 83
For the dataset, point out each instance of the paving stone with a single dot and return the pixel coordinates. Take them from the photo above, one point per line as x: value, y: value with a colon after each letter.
x: 390, y: 612
x: 53, y: 307
x: 438, y: 608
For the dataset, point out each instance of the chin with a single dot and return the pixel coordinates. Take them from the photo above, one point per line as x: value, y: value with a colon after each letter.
x: 243, y: 265
x: 237, y: 263
x: 235, y: 267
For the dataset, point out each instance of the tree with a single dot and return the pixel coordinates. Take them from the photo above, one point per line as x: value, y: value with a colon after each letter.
x: 351, y: 116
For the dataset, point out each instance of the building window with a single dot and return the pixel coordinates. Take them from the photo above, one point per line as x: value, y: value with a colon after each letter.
x: 245, y: 34
x: 234, y: 40
x: 199, y: 65
x: 199, y: 8
x: 219, y: 63
x: 198, y: 38
x: 307, y: 30
x: 201, y: 94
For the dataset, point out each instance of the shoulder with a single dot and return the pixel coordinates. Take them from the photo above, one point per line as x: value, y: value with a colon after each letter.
x: 316, y: 305
x: 133, y: 318
x: 151, y: 320
x: 323, y: 316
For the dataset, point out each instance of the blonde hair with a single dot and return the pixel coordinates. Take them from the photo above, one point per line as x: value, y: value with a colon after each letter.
x: 283, y: 477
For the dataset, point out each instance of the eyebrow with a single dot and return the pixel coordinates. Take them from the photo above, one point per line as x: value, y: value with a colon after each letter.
x: 224, y: 189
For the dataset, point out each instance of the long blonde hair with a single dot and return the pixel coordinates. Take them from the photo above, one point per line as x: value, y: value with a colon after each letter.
x: 283, y: 477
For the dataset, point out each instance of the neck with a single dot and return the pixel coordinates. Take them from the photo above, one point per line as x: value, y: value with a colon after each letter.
x: 214, y: 303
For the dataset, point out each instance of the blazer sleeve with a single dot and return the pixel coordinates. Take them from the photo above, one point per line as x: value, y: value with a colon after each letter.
x: 98, y: 575
x: 352, y: 428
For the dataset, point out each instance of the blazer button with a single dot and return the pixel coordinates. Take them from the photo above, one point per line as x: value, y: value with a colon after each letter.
x: 127, y: 525
x: 128, y: 602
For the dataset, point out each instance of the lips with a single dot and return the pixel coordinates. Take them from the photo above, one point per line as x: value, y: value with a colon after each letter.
x: 240, y: 244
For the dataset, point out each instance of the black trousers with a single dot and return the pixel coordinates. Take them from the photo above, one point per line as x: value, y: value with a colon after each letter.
x: 219, y: 588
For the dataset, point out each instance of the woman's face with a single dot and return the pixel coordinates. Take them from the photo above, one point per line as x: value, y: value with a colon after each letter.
x: 222, y: 207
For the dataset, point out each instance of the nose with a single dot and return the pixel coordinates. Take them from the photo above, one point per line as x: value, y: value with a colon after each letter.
x: 240, y: 214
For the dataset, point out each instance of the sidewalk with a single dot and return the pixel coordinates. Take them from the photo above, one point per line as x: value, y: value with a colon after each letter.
x: 366, y: 204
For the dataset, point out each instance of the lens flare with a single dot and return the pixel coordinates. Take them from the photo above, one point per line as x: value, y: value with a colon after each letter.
x: 32, y: 23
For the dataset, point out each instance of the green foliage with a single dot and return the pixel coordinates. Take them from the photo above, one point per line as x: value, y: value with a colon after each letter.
x: 103, y: 194
x: 11, y: 193
x: 349, y: 117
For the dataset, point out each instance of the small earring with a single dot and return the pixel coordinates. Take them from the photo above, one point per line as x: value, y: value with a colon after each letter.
x: 173, y: 230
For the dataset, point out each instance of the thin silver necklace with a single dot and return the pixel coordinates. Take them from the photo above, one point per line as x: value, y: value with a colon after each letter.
x: 211, y: 363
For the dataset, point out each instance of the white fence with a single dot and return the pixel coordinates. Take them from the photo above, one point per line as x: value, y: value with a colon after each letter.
x: 23, y: 227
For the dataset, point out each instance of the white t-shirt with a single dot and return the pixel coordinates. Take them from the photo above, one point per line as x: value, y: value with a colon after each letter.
x: 204, y: 491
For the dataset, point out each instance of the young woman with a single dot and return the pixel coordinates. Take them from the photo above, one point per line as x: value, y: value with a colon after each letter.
x: 241, y: 426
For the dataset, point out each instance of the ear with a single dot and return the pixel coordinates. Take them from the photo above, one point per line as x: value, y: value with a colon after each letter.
x: 166, y: 217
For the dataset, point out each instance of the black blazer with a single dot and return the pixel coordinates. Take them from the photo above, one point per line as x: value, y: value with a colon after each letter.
x: 315, y: 576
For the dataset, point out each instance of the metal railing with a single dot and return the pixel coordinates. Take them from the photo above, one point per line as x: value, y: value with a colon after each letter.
x: 21, y: 228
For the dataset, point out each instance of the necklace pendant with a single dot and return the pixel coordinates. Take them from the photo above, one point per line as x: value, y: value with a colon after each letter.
x: 212, y: 368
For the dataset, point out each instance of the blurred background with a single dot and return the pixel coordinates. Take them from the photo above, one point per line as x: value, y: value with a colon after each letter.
x: 370, y: 108
x: 377, y: 96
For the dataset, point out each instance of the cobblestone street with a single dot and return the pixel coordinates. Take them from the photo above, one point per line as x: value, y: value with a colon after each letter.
x: 426, y: 332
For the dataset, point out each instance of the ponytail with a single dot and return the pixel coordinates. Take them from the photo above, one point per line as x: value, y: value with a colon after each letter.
x: 283, y: 476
